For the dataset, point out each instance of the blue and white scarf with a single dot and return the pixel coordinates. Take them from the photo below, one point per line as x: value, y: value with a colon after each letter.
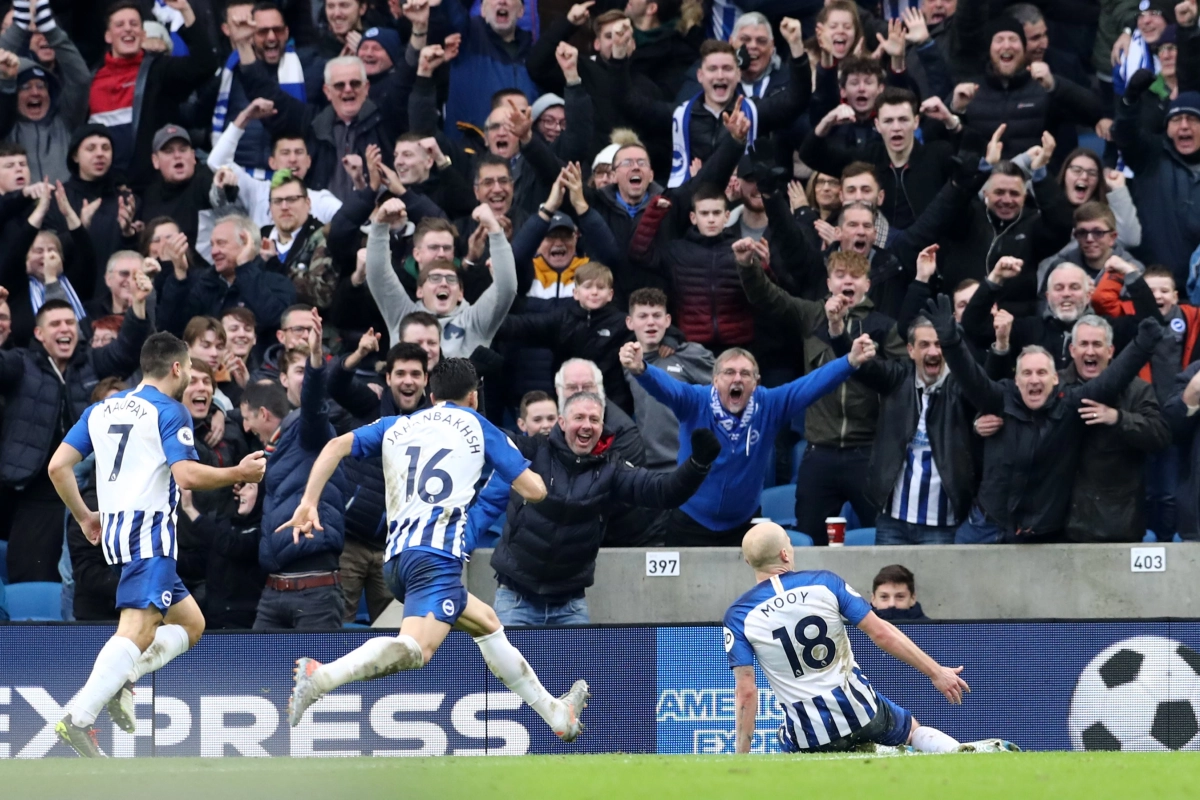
x: 733, y: 426
x: 1138, y: 56
x: 681, y: 137
x: 291, y: 79
x: 37, y: 295
x: 172, y: 20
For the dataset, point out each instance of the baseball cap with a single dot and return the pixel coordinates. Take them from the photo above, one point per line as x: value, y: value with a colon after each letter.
x: 168, y: 132
x: 560, y: 220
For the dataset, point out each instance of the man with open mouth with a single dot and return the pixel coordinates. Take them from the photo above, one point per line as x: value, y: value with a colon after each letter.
x: 840, y: 426
x: 1024, y: 95
x: 745, y: 418
x: 1030, y: 464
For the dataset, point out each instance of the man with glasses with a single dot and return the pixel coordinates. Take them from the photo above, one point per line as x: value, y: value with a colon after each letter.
x: 294, y: 326
x: 337, y: 136
x: 295, y: 244
x: 745, y: 417
x: 1095, y: 243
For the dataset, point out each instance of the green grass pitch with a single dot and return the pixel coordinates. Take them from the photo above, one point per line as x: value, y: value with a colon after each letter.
x: 1062, y: 776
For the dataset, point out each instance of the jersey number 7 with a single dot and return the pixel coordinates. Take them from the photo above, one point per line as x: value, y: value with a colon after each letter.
x: 122, y: 431
x: 818, y: 651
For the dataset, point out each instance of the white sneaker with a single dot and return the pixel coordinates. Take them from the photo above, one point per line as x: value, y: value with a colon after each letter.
x: 120, y: 708
x: 305, y: 691
x: 575, y: 701
x: 989, y: 746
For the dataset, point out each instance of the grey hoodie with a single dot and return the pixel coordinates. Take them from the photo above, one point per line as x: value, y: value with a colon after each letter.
x: 691, y: 363
x: 47, y: 140
x: 467, y: 326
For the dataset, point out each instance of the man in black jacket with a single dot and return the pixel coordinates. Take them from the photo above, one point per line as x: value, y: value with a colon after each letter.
x: 921, y: 475
x: 1181, y: 412
x: 1108, y: 496
x: 546, y: 557
x: 46, y: 387
x: 1030, y: 464
x: 406, y: 376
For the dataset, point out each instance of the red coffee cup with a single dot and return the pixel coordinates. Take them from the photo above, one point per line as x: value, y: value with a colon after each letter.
x: 835, y: 529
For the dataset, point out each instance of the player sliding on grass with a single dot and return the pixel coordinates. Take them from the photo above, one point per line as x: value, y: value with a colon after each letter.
x: 792, y: 622
x: 145, y: 453
x: 432, y: 462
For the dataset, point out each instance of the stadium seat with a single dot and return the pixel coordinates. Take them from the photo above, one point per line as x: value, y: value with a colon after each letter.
x: 860, y: 537
x: 852, y: 520
x: 1150, y: 537
x: 779, y: 504
x: 3, y: 561
x: 800, y: 539
x: 363, y: 614
x: 36, y: 600
x: 797, y: 457
x: 770, y: 475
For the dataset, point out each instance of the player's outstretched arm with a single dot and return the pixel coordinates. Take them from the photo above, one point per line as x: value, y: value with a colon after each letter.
x: 892, y: 640
x: 306, y: 517
x: 200, y: 477
x: 746, y: 697
x: 62, y: 475
x: 530, y: 486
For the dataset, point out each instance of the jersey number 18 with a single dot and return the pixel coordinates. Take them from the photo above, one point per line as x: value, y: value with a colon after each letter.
x: 817, y: 652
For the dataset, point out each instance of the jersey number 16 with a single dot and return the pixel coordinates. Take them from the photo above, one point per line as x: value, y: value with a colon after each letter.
x: 429, y: 472
x: 817, y: 651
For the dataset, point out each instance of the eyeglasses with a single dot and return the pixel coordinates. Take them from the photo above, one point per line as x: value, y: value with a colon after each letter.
x: 576, y: 388
x: 299, y: 329
x: 289, y: 200
x: 553, y: 124
x: 828, y: 182
x: 278, y: 30
x: 439, y: 277
x: 626, y: 163
x: 438, y: 248
x: 744, y: 374
x: 490, y: 182
x: 1091, y: 173
x: 340, y: 86
x: 494, y: 126
x: 1090, y: 235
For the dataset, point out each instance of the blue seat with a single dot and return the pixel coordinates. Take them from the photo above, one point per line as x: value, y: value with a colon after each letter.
x: 852, y: 520
x: 770, y: 475
x: 860, y: 537
x: 797, y: 457
x: 3, y: 561
x: 363, y: 614
x: 779, y: 504
x: 800, y: 539
x: 1150, y: 537
x: 36, y: 600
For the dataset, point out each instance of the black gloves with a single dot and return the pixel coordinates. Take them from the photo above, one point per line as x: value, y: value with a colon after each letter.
x: 705, y: 447
x: 940, y: 311
x: 1137, y: 85
x: 1149, y: 333
x: 966, y: 169
x: 771, y: 180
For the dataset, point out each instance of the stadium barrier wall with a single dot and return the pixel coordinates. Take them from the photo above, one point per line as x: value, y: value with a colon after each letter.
x: 1044, y: 685
x: 1091, y: 581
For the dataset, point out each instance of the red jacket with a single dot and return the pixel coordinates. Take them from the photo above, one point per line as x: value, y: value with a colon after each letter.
x: 1107, y: 301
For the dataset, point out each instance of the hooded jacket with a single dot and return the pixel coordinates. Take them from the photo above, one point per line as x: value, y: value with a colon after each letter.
x: 690, y: 363
x: 46, y: 141
x: 550, y: 548
x: 848, y: 416
x: 105, y: 230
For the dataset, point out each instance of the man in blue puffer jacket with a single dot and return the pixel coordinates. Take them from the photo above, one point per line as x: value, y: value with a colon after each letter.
x: 303, y: 588
x: 745, y: 417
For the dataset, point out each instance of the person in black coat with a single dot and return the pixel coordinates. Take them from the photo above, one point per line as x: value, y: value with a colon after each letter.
x: 233, y: 579
x: 546, y: 556
x: 1030, y: 464
x: 1181, y: 413
x: 894, y: 595
x: 921, y: 474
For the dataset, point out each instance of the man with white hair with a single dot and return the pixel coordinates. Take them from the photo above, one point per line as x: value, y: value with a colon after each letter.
x: 237, y: 278
x: 1031, y: 463
x: 1068, y: 297
x: 765, y: 72
x: 580, y: 375
x: 338, y: 135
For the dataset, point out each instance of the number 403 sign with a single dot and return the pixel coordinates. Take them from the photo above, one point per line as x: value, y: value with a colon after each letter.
x: 1148, y: 559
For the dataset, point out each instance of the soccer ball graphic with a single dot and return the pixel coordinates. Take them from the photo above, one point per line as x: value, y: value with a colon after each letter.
x: 1141, y: 693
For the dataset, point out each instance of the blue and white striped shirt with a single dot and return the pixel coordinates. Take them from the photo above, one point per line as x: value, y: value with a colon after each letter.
x: 435, y: 461
x: 794, y: 625
x: 136, y: 435
x: 918, y: 496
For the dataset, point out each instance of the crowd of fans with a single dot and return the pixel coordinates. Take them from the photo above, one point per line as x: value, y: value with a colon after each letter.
x: 642, y: 223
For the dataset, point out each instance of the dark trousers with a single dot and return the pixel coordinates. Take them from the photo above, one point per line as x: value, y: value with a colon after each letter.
x: 829, y: 478
x: 683, y: 531
x: 36, y: 538
x: 1162, y: 479
x: 308, y: 609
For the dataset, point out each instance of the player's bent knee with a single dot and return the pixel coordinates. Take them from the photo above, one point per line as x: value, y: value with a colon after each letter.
x: 912, y: 730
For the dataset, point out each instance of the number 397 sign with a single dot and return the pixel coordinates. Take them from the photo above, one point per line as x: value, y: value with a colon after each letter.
x: 662, y: 565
